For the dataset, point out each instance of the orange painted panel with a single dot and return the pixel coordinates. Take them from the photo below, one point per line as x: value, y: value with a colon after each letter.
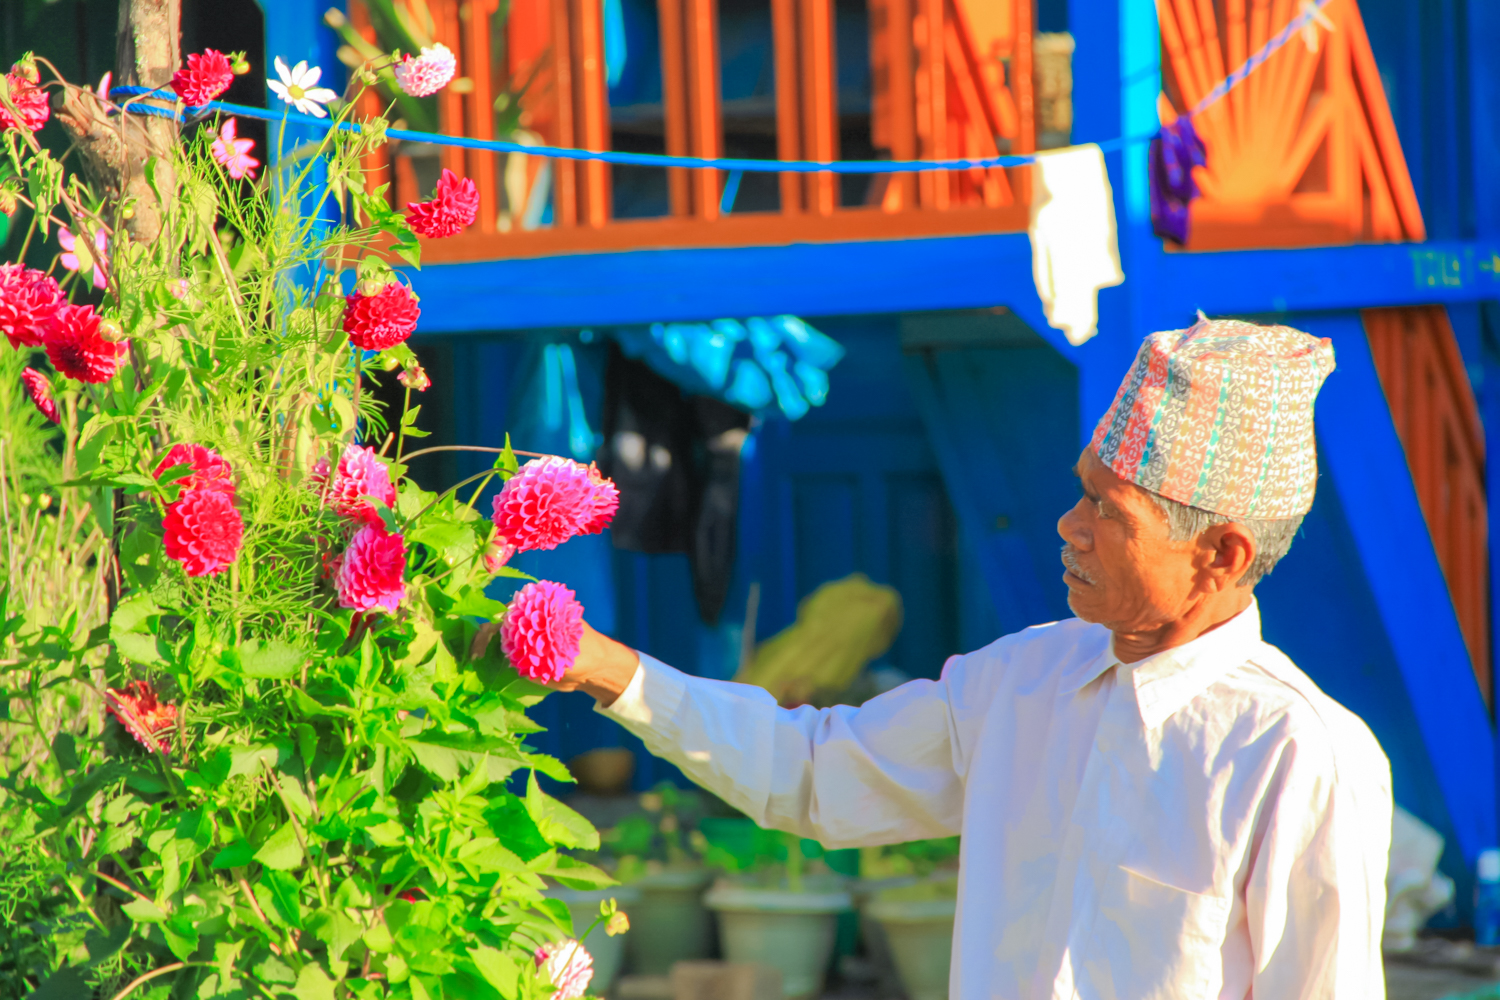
x: 1433, y: 407
x: 1304, y: 152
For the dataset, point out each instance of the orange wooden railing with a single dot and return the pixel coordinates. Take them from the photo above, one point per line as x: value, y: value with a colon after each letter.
x: 952, y: 78
x: 1436, y: 417
x: 1305, y: 151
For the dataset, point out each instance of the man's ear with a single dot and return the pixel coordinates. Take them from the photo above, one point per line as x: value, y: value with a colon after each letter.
x: 1233, y: 550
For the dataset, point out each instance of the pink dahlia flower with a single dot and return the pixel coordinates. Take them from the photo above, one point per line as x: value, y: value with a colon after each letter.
x: 566, y: 965
x: 206, y: 76
x: 542, y: 630
x: 552, y: 499
x: 233, y: 154
x: 78, y: 256
x: 29, y: 99
x: 28, y: 299
x: 370, y: 572
x: 203, y: 531
x: 454, y: 204
x: 606, y: 500
x: 360, y: 476
x: 382, y: 320
x: 210, y: 471
x: 428, y: 73
x: 78, y: 349
x: 41, y: 394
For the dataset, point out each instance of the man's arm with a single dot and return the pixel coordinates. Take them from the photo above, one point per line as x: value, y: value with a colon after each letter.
x: 1315, y: 892
x: 882, y: 773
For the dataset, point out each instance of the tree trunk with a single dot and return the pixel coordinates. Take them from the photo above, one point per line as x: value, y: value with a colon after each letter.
x: 147, y: 53
x: 113, y: 151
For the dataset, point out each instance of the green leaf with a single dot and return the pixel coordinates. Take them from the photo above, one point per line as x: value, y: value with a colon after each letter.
x: 140, y: 648
x: 182, y: 938
x: 498, y: 969
x: 281, y: 851
x: 65, y: 751
x: 473, y: 602
x: 85, y: 790
x: 246, y: 760
x: 335, y: 930
x: 313, y: 984
x: 557, y: 822
x: 143, y: 911
x: 485, y: 854
x: 284, y: 893
x: 306, y: 705
x: 454, y: 542
x: 577, y: 874
x: 66, y: 983
x: 132, y: 615
x: 273, y: 970
x: 236, y: 855
x: 270, y: 659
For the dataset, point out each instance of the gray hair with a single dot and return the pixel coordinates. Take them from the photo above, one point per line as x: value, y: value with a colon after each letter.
x: 1273, y: 536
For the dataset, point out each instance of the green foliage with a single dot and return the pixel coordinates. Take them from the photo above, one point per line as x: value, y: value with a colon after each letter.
x: 345, y: 805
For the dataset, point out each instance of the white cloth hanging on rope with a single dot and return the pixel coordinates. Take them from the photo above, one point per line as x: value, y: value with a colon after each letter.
x: 1074, y: 252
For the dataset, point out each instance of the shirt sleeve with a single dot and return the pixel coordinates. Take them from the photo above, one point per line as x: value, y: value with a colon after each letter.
x: 1315, y: 895
x: 885, y: 772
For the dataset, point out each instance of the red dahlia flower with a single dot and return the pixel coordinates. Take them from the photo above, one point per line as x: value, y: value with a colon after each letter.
x: 28, y: 299
x: 542, y: 630
x: 552, y: 499
x: 29, y: 99
x: 203, y: 531
x: 360, y: 476
x: 370, y: 572
x: 206, y: 76
x: 40, y: 393
x: 210, y: 471
x: 148, y: 720
x: 77, y: 347
x: 382, y: 320
x: 451, y: 210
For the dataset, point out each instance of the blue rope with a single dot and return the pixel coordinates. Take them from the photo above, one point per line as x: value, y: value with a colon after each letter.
x: 697, y: 162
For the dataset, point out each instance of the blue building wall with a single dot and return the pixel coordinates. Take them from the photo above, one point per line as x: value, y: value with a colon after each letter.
x: 916, y: 459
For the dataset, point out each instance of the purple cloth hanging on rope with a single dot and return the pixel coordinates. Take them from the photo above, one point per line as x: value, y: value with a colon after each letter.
x: 1175, y: 151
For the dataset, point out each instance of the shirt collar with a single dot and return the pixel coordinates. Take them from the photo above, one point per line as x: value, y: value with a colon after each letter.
x: 1169, y: 680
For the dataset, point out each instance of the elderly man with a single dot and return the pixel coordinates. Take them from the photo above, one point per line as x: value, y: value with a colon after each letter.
x: 1154, y: 802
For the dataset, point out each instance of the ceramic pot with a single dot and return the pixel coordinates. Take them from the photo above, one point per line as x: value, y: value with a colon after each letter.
x: 791, y: 931
x: 604, y: 771
x: 607, y: 952
x: 919, y: 934
x: 670, y: 923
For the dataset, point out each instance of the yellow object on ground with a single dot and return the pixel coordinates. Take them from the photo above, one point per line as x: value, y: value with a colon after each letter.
x: 840, y: 627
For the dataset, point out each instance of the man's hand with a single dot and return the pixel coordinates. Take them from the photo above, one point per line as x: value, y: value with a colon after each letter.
x: 604, y: 668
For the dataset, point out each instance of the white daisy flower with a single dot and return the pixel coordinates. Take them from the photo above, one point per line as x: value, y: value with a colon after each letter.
x: 297, y: 87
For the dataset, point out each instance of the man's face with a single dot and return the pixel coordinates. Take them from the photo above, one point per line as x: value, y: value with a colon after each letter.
x: 1123, y: 571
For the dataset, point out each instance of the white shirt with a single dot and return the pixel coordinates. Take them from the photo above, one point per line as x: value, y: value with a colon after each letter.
x: 1204, y: 823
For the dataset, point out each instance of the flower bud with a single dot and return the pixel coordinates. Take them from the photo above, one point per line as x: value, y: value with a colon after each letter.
x: 371, y: 286
x: 111, y: 331
x: 240, y: 67
x: 44, y: 501
x: 128, y: 212
x: 415, y: 377
x: 618, y: 924
x: 7, y: 201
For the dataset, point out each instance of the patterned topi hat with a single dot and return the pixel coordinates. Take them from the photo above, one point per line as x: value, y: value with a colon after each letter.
x: 1220, y: 416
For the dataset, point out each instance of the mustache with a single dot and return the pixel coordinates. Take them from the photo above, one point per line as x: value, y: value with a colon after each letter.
x: 1070, y: 560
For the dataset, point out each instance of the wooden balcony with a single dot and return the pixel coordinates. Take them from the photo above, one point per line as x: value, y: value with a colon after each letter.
x: 945, y: 79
